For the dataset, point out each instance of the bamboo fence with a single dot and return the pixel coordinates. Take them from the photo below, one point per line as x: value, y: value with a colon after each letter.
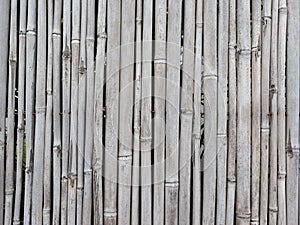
x: 149, y: 112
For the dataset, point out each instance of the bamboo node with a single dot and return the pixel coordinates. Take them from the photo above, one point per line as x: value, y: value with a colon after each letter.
x: 199, y: 24
x: 146, y: 139
x: 232, y: 46
x: 282, y: 8
x: 208, y: 76
x: 244, y: 51
x: 9, y: 191
x: 197, y: 136
x: 31, y: 32
x: 186, y: 111
x: 110, y: 214
x: 231, y: 179
x: 243, y: 216
x: 138, y: 20
x: 273, y: 209
x: 160, y: 61
x: 56, y: 34
x: 88, y: 172
x: 125, y: 157
x: 102, y: 35
x: 174, y: 184
x: 67, y: 53
x: 21, y: 128
x: 40, y: 110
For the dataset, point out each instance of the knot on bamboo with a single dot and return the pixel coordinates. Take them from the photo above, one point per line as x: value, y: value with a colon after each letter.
x: 21, y: 128
x: 102, y: 35
x: 22, y: 33
x: 28, y: 169
x: 49, y: 91
x: 125, y: 157
x: 82, y: 68
x: 273, y: 89
x: 160, y: 61
x: 243, y: 216
x: 146, y: 139
x: 291, y: 151
x: 67, y: 53
x: 174, y: 184
x: 9, y: 191
x: 232, y: 46
x: 40, y: 110
x: 57, y: 149
x: 136, y: 129
x: 281, y: 175
x: 138, y: 20
x: 231, y: 179
x: 273, y: 209
x: 197, y: 135
x: 110, y: 214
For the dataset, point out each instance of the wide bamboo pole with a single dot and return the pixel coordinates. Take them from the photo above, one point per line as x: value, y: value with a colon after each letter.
x: 135, y: 189
x: 265, y: 130
x: 243, y: 113
x: 4, y: 37
x: 81, y: 112
x: 126, y: 113
x: 73, y: 154
x: 186, y: 112
x: 281, y: 112
x: 21, y: 109
x: 10, y: 150
x: 66, y: 80
x: 111, y: 106
x: 159, y: 108
x: 98, y: 113
x: 146, y: 123
x: 56, y: 36
x: 48, y: 129
x: 30, y: 118
x: 89, y: 130
x: 172, y: 112
x: 256, y: 110
x: 223, y: 30
x: 196, y: 220
x: 40, y: 107
x: 273, y: 208
x: 232, y: 95
x: 210, y: 110
x: 292, y: 123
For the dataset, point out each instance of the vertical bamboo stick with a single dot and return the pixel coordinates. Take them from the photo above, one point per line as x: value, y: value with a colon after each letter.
x: 125, y: 115
x: 21, y: 104
x: 243, y: 113
x: 231, y: 162
x: 135, y: 215
x: 98, y: 111
x: 266, y: 51
x: 56, y: 110
x: 81, y: 112
x: 160, y: 108
x: 196, y: 220
x: 10, y: 151
x: 72, y: 183
x: 40, y: 107
x: 66, y: 76
x: 210, y: 110
x: 186, y: 112
x: 4, y: 37
x: 146, y: 125
x: 273, y: 208
x: 30, y: 87
x: 48, y: 128
x: 222, y: 110
x: 281, y: 124
x: 256, y: 110
x: 88, y: 154
x: 172, y: 112
x: 292, y: 123
x: 112, y: 103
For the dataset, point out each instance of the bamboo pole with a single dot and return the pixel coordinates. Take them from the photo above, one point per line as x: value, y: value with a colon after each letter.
x: 172, y: 112
x: 243, y: 113
x: 98, y: 112
x: 146, y: 123
x: 75, y: 44
x: 81, y: 112
x: 135, y: 215
x: 273, y: 208
x: 222, y: 110
x: 66, y: 76
x: 40, y: 107
x: 10, y: 150
x: 30, y: 87
x: 186, y: 112
x: 112, y: 103
x: 266, y: 51
x: 292, y: 123
x: 56, y: 35
x: 196, y: 220
x: 4, y: 37
x: 21, y: 109
x: 210, y: 110
x: 159, y: 108
x: 125, y: 111
x: 256, y: 110
x: 48, y: 128
x: 89, y: 130
x: 232, y: 132
x: 281, y: 124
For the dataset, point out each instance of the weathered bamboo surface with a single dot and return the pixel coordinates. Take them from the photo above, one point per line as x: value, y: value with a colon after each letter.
x: 149, y: 112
